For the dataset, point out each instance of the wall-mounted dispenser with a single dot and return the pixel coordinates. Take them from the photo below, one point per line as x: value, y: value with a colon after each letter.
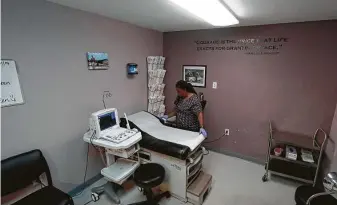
x: 132, y: 68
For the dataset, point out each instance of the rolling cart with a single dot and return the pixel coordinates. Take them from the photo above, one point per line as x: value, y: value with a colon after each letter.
x: 294, y: 167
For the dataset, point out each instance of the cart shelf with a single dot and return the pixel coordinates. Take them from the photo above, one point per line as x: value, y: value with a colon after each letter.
x: 293, y: 161
x: 292, y: 170
x: 299, y: 160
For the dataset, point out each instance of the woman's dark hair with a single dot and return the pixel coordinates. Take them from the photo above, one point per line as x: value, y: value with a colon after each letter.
x: 185, y: 86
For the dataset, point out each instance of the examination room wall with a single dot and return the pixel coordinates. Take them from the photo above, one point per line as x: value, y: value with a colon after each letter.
x: 49, y: 44
x: 331, y: 147
x: 296, y: 88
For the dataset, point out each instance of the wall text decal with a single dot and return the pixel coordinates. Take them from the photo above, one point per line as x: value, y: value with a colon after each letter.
x: 250, y: 46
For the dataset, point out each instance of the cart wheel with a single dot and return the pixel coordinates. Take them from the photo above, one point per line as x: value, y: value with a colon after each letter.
x: 265, y: 178
x: 94, y: 196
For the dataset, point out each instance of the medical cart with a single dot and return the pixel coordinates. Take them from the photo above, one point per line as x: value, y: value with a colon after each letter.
x: 295, y: 167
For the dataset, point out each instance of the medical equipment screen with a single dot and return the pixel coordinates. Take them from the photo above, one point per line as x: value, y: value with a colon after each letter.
x: 107, y: 120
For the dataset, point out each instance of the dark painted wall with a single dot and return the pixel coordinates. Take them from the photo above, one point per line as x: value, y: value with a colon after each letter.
x: 296, y: 88
x: 331, y: 148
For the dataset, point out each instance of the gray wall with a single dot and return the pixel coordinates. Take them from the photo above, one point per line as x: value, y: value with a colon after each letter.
x: 49, y: 43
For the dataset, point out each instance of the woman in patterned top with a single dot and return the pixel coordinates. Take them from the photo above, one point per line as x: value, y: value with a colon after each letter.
x: 188, y: 109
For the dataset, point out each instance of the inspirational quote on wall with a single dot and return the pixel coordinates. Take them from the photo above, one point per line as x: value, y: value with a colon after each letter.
x: 249, y: 46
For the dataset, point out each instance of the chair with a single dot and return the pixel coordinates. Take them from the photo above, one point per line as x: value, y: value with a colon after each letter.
x: 304, y: 192
x: 203, y: 104
x: 20, y: 171
x: 148, y: 176
x: 309, y: 195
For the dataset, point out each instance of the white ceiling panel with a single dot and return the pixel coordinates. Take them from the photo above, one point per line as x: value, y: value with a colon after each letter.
x: 164, y: 16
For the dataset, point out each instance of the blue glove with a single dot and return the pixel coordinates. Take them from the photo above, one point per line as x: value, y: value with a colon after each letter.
x: 203, y: 132
x: 164, y: 117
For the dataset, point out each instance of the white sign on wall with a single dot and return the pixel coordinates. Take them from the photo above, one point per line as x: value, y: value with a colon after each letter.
x: 10, y: 86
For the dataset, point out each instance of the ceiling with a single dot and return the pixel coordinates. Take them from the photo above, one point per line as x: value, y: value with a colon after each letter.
x: 163, y: 15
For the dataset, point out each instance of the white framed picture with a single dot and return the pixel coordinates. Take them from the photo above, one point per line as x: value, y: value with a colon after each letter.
x: 195, y: 74
x: 11, y: 93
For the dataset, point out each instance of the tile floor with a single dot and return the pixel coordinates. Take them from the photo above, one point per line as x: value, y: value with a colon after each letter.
x: 235, y: 182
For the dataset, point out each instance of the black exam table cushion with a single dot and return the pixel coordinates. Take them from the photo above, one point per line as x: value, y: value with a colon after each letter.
x: 164, y: 147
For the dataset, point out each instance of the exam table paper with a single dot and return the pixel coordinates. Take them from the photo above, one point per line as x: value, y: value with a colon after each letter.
x: 151, y: 125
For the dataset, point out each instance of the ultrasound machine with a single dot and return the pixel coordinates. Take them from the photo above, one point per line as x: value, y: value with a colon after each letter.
x: 118, y: 144
x: 104, y: 125
x: 149, y: 141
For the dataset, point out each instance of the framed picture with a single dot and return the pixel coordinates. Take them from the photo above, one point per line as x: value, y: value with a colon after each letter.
x: 97, y: 61
x: 195, y: 74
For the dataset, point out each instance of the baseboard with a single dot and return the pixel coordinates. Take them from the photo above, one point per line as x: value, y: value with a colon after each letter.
x: 82, y: 186
x: 233, y: 154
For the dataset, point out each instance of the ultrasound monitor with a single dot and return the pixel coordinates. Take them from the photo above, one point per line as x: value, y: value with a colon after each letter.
x: 107, y: 120
x: 103, y: 120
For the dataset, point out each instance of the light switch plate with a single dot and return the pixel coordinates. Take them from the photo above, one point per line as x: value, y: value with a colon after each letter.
x: 215, y: 85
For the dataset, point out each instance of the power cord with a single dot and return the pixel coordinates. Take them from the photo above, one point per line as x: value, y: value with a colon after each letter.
x: 98, y: 149
x: 105, y: 95
x: 91, y: 138
x: 85, y: 173
x: 215, y: 139
x: 103, y: 101
x: 86, y: 166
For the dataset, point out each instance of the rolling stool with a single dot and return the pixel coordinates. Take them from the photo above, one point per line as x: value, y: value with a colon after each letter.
x: 304, y: 192
x: 308, y: 195
x: 148, y: 176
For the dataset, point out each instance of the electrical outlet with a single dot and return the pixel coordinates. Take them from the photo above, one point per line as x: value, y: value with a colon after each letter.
x: 215, y: 85
x: 107, y: 94
x: 226, y: 132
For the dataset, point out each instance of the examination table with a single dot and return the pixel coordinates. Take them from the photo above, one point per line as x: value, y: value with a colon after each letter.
x: 178, y: 151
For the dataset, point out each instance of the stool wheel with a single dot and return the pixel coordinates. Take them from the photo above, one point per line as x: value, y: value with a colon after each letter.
x: 94, y: 196
x: 141, y: 190
x: 167, y: 195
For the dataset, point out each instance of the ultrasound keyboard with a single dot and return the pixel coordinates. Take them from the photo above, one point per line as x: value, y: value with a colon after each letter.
x: 118, y: 137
